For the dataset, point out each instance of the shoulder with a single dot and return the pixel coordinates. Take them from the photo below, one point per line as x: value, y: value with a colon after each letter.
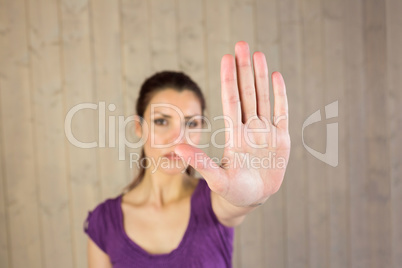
x: 202, y: 200
x: 204, y: 189
x: 101, y: 220
x: 202, y: 183
x: 201, y: 191
x: 103, y: 209
x: 206, y: 214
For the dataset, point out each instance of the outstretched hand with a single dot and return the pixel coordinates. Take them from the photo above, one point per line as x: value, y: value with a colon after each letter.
x: 257, y: 146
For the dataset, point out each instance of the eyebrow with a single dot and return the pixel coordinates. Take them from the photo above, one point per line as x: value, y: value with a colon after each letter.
x: 168, y: 116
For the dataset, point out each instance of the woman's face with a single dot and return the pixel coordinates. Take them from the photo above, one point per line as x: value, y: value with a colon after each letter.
x: 172, y: 118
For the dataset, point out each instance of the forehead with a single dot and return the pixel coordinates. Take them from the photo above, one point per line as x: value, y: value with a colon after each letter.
x: 168, y: 100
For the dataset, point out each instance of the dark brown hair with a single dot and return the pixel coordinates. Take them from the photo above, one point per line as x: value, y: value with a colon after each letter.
x: 152, y: 85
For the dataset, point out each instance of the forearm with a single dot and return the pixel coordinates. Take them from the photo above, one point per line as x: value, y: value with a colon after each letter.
x: 228, y: 214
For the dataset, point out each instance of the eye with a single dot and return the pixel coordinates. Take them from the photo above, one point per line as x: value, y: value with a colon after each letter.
x: 192, y: 124
x: 160, y: 122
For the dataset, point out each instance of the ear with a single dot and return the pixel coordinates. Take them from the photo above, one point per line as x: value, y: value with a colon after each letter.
x: 138, y: 126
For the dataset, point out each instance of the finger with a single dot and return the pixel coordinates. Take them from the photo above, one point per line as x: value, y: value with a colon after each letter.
x: 281, y: 119
x: 200, y: 161
x: 245, y: 80
x: 230, y: 93
x: 262, y: 85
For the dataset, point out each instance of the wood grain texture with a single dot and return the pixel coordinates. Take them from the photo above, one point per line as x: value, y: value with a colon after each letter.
x: 393, y: 100
x: 78, y: 88
x: 4, y: 237
x: 164, y: 32
x: 18, y: 146
x: 5, y: 260
x: 379, y: 180
x: 108, y: 82
x: 19, y: 176
x: 337, y: 180
x: 295, y: 184
x: 136, y: 67
x: 314, y: 135
x: 191, y: 43
x: 48, y: 107
x: 355, y: 91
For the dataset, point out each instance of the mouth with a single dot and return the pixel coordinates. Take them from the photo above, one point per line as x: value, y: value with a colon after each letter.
x: 172, y: 155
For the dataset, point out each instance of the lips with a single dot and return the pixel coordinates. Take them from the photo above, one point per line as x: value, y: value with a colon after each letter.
x: 172, y: 155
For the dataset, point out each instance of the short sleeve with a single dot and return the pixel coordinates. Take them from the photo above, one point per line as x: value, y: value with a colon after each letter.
x: 223, y: 233
x: 94, y: 226
x: 206, y: 199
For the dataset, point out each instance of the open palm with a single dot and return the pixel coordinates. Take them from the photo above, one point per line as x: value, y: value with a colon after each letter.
x: 257, y: 146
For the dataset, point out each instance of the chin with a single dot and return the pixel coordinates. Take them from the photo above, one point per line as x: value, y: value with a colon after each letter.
x: 169, y: 166
x: 173, y: 170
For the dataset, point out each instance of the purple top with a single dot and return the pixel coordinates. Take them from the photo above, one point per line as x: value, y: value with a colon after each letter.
x: 206, y: 242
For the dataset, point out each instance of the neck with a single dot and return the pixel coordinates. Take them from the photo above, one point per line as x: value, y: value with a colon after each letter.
x: 160, y: 189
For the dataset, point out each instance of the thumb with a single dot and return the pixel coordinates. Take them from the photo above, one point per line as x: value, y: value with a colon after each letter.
x: 201, y: 162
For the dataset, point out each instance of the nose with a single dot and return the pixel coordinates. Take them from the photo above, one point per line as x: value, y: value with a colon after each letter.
x: 178, y: 135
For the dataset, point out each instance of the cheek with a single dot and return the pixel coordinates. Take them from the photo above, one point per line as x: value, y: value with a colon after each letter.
x: 194, y: 137
x: 157, y: 138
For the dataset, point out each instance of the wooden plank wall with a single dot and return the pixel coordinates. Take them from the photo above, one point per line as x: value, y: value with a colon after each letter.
x: 55, y: 54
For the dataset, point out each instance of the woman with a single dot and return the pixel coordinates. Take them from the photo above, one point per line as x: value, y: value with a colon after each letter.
x: 167, y: 217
